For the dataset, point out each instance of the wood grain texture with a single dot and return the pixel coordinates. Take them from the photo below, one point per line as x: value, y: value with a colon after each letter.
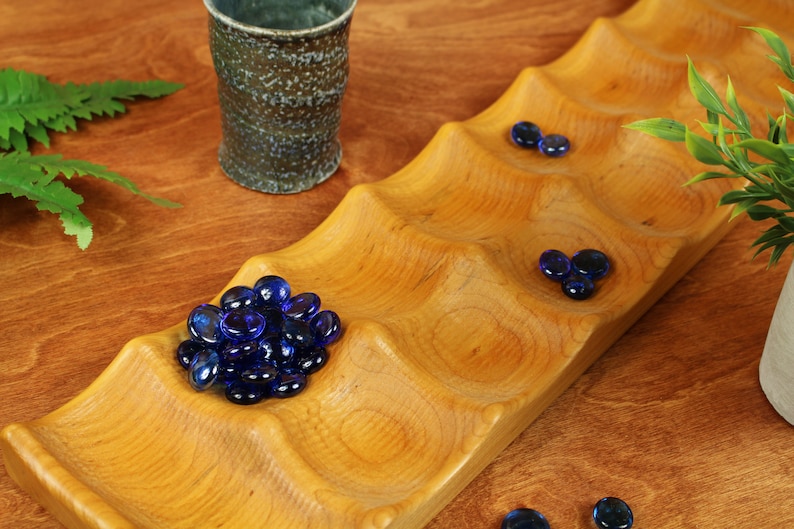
x: 647, y: 422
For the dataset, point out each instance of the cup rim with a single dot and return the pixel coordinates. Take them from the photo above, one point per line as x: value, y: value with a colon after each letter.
x: 279, y: 33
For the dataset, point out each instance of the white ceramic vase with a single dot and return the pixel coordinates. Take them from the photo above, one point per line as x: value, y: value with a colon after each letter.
x: 776, y: 370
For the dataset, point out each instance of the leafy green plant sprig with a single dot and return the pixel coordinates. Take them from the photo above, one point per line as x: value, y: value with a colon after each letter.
x: 30, y: 108
x: 766, y: 163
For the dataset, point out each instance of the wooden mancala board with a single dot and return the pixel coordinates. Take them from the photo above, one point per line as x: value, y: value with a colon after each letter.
x: 454, y: 342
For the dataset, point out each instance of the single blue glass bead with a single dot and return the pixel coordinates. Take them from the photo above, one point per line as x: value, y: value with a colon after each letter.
x: 228, y: 371
x: 238, y: 351
x: 590, y: 263
x: 262, y: 372
x: 526, y: 134
x: 524, y: 519
x: 578, y: 287
x: 242, y: 324
x: 554, y: 145
x: 272, y: 291
x: 186, y: 350
x: 273, y: 318
x: 289, y: 383
x: 297, y: 333
x: 302, y: 307
x: 275, y: 349
x: 554, y: 264
x: 326, y: 327
x: 612, y: 513
x: 238, y: 297
x: 312, y: 360
x: 203, y: 369
x: 204, y: 323
x: 241, y: 392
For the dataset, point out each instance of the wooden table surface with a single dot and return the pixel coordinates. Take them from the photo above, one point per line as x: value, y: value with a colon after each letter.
x: 671, y: 418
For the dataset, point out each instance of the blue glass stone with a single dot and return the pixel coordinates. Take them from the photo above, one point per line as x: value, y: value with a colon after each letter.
x: 312, y: 360
x: 590, y: 263
x: 228, y: 371
x: 203, y: 369
x: 237, y: 351
x: 578, y: 287
x: 241, y: 392
x: 243, y: 324
x: 289, y: 383
x: 238, y: 297
x: 524, y: 519
x: 204, y: 323
x: 554, y: 145
x: 273, y: 318
x: 275, y: 349
x: 297, y: 333
x: 272, y: 291
x: 326, y: 327
x: 302, y: 307
x: 612, y: 513
x: 526, y: 134
x: 186, y: 350
x: 554, y: 264
x: 262, y: 372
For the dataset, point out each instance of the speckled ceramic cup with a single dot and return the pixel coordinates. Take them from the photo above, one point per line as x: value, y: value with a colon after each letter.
x: 282, y: 68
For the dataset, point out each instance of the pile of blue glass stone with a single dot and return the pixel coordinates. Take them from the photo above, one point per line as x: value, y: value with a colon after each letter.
x: 577, y: 275
x: 259, y: 342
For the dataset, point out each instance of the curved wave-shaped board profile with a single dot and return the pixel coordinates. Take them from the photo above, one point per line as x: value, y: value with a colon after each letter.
x: 454, y: 342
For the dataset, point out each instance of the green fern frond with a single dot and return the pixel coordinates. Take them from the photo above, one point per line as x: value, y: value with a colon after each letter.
x: 30, y: 104
x: 22, y: 175
x: 27, y: 98
x: 30, y: 107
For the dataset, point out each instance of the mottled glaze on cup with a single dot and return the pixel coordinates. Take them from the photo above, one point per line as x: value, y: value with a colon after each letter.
x: 282, y: 70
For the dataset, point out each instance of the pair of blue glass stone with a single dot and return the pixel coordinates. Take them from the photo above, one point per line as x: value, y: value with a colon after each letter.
x: 529, y: 136
x: 608, y: 513
x: 577, y: 274
x: 259, y: 342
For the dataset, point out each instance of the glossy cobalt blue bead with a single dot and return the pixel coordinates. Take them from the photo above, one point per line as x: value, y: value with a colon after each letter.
x: 554, y: 145
x: 272, y: 291
x: 241, y: 392
x: 524, y: 519
x: 203, y: 369
x: 590, y: 263
x: 243, y: 324
x: 578, y: 287
x: 237, y: 297
x: 326, y: 327
x: 187, y: 350
x: 289, y: 383
x: 554, y: 264
x: 526, y: 134
x: 612, y: 513
x: 302, y: 307
x: 204, y: 324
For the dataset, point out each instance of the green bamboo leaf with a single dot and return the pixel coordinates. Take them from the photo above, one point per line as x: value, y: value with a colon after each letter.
x: 741, y: 120
x: 763, y: 212
x: 782, y: 55
x: 664, y: 128
x: 702, y: 149
x: 735, y: 196
x: 767, y: 149
x: 787, y: 223
x: 709, y: 175
x: 704, y: 92
x: 788, y: 98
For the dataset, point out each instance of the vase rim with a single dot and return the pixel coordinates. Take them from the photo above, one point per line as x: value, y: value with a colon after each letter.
x: 277, y: 33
